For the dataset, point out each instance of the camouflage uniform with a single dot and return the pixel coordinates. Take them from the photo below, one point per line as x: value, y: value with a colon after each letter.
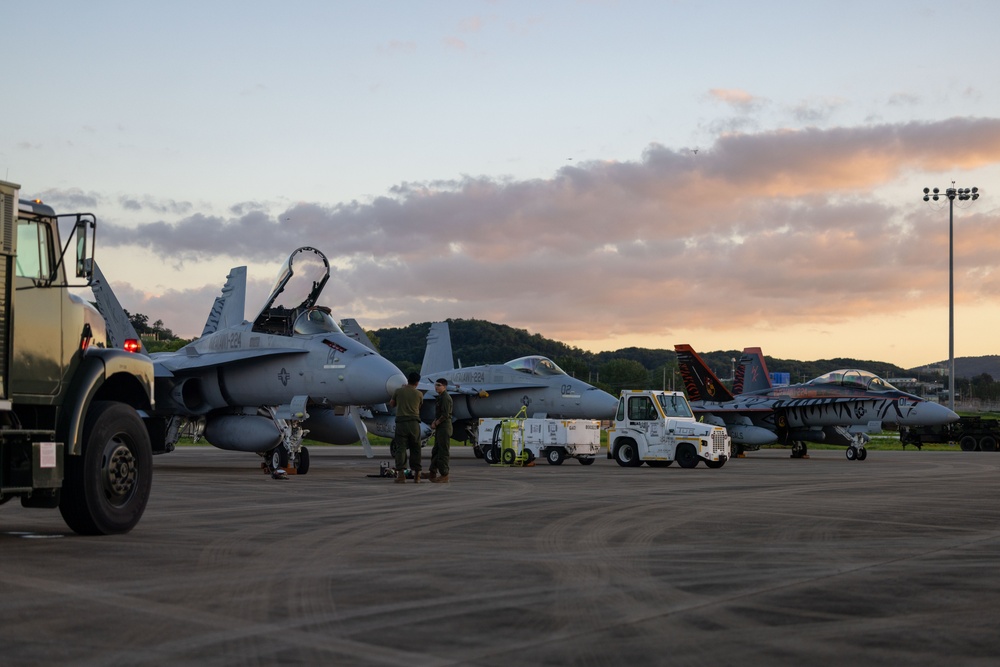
x: 408, y: 400
x: 440, y: 454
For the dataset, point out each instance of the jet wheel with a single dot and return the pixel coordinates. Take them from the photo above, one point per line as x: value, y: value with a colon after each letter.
x: 852, y: 454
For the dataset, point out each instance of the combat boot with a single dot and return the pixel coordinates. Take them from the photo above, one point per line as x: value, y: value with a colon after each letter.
x: 433, y: 476
x: 400, y: 476
x: 416, y: 476
x: 440, y: 480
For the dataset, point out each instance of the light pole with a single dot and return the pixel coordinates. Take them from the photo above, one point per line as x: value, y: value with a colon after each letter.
x: 951, y: 193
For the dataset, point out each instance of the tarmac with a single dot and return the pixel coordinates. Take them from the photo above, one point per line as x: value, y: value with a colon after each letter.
x: 769, y: 560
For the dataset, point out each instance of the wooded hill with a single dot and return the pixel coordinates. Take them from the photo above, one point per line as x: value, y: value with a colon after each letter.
x: 476, y: 342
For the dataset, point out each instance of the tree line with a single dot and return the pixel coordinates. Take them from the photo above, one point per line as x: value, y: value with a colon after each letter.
x: 477, y: 342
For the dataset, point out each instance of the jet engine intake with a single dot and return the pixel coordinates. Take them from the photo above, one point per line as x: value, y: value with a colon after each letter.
x: 186, y: 397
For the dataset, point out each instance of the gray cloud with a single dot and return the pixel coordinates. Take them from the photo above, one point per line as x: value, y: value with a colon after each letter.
x: 764, y: 228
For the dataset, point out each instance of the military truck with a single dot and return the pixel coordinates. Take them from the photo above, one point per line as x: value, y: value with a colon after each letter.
x: 658, y: 428
x: 973, y: 434
x: 71, y: 435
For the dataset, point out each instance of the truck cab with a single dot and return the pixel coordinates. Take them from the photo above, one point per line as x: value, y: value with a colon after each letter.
x: 72, y: 432
x: 658, y: 428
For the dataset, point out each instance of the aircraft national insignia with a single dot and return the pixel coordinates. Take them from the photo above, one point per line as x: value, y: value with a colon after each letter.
x: 284, y: 375
x: 710, y: 388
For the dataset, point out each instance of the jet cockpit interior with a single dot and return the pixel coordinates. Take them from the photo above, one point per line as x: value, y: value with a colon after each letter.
x: 299, y: 284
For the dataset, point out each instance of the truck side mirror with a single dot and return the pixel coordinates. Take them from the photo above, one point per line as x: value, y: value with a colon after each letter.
x: 84, y: 263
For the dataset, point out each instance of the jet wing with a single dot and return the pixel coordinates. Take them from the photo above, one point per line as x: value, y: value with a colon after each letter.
x: 168, y: 364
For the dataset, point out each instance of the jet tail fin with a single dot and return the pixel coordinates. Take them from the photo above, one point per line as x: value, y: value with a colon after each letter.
x: 751, y: 372
x: 228, y: 309
x: 354, y: 329
x: 700, y: 382
x: 119, y: 327
x: 437, y: 355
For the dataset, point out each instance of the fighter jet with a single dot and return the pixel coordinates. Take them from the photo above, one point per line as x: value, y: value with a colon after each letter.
x: 841, y: 407
x: 251, y: 386
x: 535, y: 383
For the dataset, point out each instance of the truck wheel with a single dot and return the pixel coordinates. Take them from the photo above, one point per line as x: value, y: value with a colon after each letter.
x: 967, y: 443
x: 555, y: 455
x: 627, y: 454
x: 586, y: 460
x: 686, y: 456
x: 302, y: 466
x: 492, y: 455
x: 105, y: 490
x: 987, y: 443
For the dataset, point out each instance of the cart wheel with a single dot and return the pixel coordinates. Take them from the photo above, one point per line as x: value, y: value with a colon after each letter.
x: 508, y: 456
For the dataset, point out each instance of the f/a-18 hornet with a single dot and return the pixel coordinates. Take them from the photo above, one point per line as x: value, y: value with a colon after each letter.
x: 249, y: 386
x: 534, y: 382
x: 839, y: 408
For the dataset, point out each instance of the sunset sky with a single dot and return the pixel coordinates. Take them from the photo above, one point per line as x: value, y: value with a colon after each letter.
x: 604, y: 173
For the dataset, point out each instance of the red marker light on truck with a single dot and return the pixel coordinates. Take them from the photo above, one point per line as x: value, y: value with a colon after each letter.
x: 132, y: 345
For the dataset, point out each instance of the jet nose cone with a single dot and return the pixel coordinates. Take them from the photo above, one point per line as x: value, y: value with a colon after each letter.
x: 395, y: 382
x: 372, y: 379
x: 927, y: 413
x: 599, y: 404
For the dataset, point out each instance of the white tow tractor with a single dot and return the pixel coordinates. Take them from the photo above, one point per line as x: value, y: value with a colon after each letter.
x: 658, y: 427
x: 555, y: 440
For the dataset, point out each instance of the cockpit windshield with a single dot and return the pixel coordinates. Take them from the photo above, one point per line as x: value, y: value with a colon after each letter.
x: 854, y: 378
x: 314, y: 321
x: 674, y: 405
x: 536, y: 365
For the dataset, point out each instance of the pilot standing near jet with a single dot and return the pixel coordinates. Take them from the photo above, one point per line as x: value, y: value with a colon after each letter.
x: 407, y: 401
x: 440, y: 454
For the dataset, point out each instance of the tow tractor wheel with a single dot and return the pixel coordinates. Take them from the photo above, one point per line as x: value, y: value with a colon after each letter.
x: 658, y: 464
x: 716, y: 464
x: 586, y: 460
x: 686, y: 456
x: 852, y: 454
x: 105, y: 490
x: 627, y: 454
x: 555, y: 455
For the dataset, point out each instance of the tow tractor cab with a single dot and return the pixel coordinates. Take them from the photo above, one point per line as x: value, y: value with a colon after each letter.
x: 659, y: 428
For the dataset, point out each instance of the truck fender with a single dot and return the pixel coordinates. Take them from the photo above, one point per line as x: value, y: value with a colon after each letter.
x: 107, y: 374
